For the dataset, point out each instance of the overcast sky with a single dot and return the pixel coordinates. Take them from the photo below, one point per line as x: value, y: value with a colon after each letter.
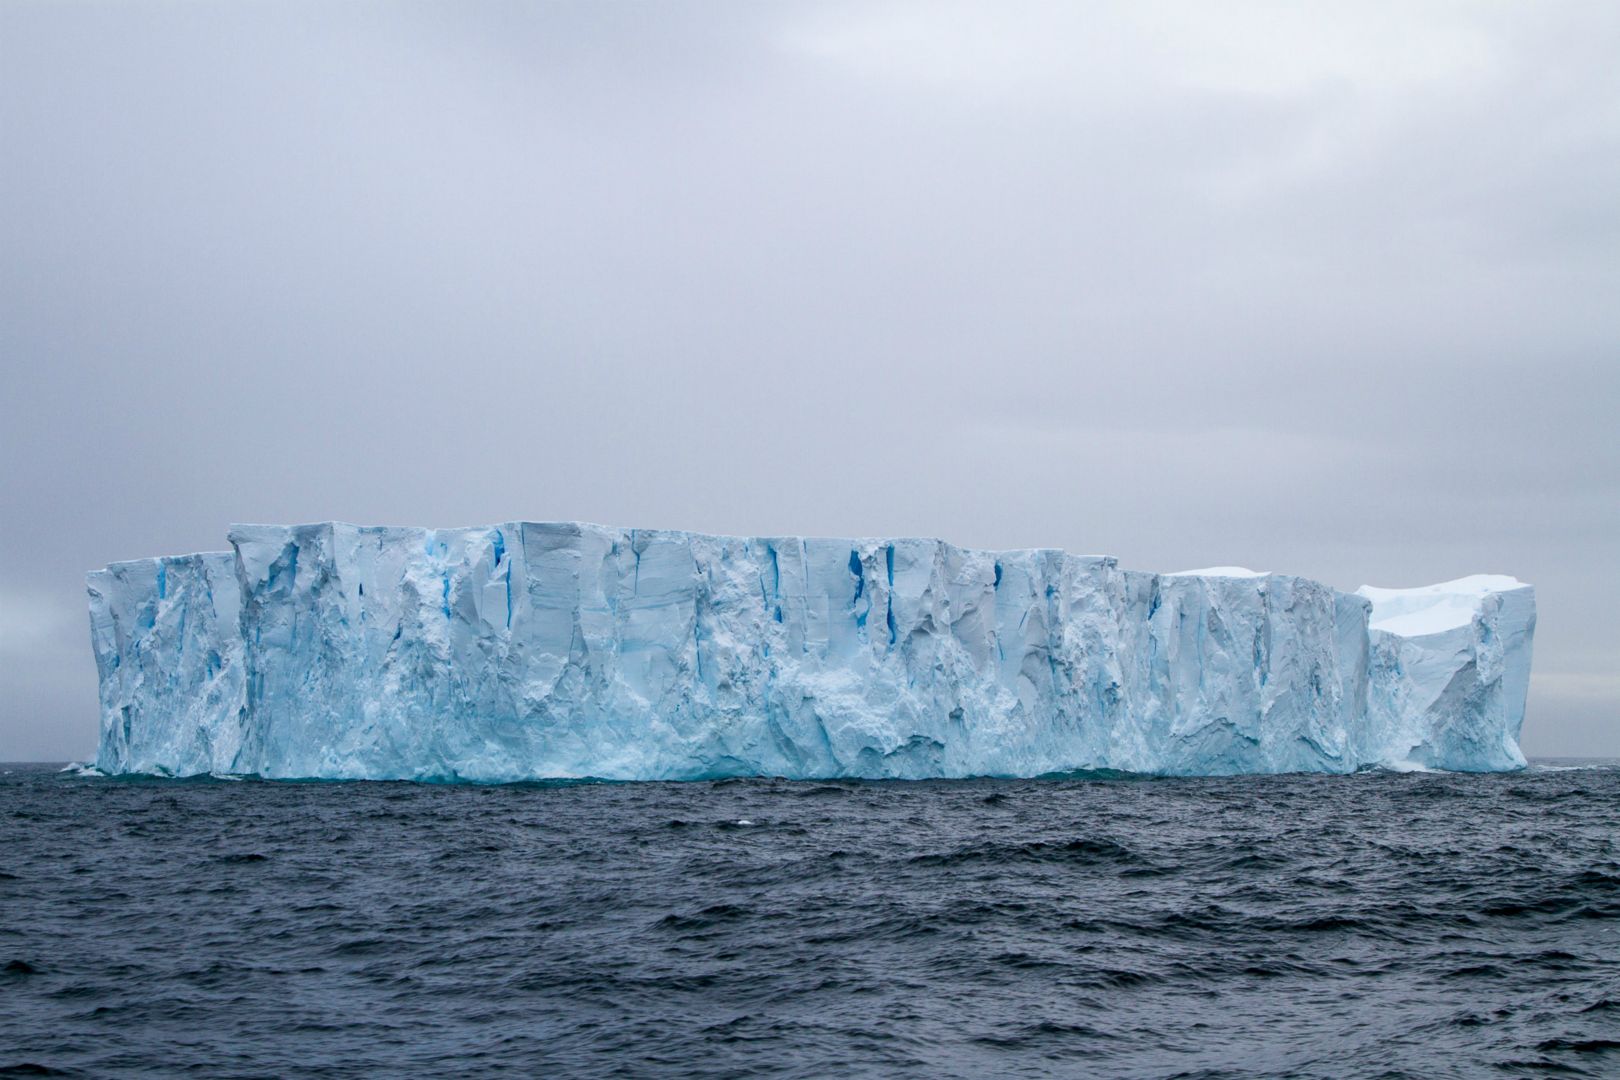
x: 1332, y: 290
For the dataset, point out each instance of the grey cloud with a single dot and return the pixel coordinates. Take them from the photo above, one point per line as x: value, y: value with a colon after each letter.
x: 1328, y: 290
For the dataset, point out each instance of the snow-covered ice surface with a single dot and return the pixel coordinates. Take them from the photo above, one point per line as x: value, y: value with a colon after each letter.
x: 1219, y: 571
x: 1433, y: 609
x: 546, y: 650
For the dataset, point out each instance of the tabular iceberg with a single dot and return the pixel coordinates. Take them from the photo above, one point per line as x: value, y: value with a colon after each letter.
x: 548, y: 650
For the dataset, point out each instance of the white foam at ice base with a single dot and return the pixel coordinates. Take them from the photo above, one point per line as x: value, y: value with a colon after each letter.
x: 1433, y: 609
x: 1221, y: 571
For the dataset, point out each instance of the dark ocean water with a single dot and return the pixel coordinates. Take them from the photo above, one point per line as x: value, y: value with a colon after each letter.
x: 1367, y: 926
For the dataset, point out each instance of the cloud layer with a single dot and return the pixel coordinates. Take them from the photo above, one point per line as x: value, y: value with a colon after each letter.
x: 1330, y: 290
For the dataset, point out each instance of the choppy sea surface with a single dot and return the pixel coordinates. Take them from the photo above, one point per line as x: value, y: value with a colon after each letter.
x: 1377, y: 925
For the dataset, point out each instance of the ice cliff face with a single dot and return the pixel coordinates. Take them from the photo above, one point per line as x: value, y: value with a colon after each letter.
x: 1450, y: 667
x: 168, y: 645
x: 530, y: 650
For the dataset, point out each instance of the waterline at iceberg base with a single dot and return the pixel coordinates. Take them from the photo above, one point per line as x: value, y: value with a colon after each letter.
x: 531, y: 650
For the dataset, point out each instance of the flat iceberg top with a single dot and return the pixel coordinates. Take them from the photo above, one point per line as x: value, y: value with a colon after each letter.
x: 579, y: 528
x: 1433, y: 609
x: 190, y: 559
x: 1220, y: 571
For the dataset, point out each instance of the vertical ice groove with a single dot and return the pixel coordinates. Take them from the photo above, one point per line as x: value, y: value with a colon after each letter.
x: 528, y: 650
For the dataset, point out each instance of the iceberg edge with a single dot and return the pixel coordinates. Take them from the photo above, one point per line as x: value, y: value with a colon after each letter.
x: 560, y: 650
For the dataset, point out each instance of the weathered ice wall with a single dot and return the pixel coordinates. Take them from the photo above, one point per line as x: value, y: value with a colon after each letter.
x: 534, y: 650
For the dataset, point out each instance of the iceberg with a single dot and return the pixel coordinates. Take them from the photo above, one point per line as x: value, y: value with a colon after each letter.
x: 1450, y: 668
x: 544, y: 650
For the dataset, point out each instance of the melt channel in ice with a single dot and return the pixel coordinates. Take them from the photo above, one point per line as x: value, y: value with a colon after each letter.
x: 549, y: 650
